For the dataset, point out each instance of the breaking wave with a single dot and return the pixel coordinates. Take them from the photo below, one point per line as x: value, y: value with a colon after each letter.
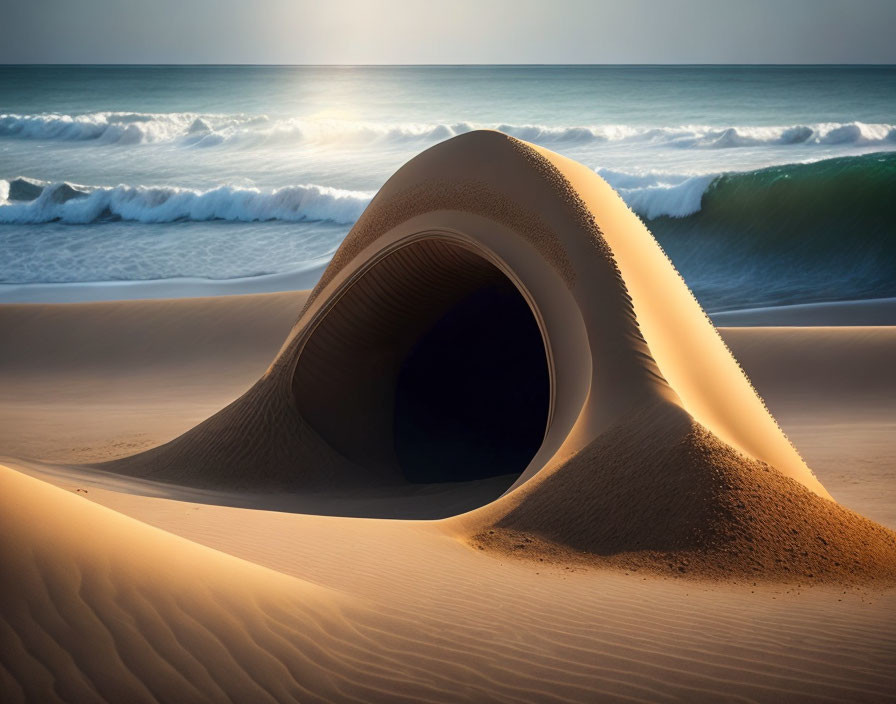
x: 783, y: 234
x: 209, y: 130
x: 787, y: 191
x: 25, y: 201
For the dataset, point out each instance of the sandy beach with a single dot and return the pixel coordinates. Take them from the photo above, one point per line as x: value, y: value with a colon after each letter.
x: 449, y: 614
x: 685, y: 531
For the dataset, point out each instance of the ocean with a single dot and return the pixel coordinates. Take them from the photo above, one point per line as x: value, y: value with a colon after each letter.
x: 765, y: 185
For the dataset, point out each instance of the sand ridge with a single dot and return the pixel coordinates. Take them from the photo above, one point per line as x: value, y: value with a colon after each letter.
x: 100, y: 607
x: 473, y: 628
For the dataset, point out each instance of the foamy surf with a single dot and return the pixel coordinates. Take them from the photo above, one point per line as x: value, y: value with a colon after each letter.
x: 29, y: 201
x: 213, y: 129
x: 77, y: 204
x: 651, y: 194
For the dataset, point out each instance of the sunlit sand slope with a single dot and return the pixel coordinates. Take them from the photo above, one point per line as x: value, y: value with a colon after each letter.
x: 99, y: 607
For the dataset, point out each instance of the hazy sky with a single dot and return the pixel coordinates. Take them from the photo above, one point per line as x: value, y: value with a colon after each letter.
x: 447, y: 31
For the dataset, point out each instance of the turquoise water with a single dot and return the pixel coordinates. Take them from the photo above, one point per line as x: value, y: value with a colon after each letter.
x: 766, y: 185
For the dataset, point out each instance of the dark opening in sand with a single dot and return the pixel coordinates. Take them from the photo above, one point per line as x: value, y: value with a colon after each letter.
x: 430, y: 367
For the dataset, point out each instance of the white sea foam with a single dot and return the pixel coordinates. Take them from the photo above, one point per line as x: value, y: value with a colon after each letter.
x: 653, y: 195
x: 649, y: 194
x: 160, y: 204
x: 208, y: 130
x: 120, y: 127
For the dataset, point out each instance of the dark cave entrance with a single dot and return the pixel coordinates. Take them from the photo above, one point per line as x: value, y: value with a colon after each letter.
x: 471, y: 398
x: 431, y: 367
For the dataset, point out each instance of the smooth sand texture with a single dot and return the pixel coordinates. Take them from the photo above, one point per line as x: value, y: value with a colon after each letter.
x: 587, y: 632
x: 878, y: 312
x: 419, y: 617
x: 78, y: 352
x: 340, y: 608
x: 100, y: 607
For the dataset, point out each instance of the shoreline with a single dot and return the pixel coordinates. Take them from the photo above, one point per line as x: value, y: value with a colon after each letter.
x: 160, y: 289
x: 851, y: 313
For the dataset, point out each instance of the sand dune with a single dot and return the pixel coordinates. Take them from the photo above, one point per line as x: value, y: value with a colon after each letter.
x: 660, y: 492
x: 657, y: 543
x: 100, y: 607
x: 209, y: 627
x: 424, y: 318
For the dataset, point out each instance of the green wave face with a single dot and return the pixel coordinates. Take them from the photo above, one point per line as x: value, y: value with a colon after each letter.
x: 796, y: 233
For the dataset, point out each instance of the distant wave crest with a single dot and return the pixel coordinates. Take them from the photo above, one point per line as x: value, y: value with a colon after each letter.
x: 792, y: 189
x: 28, y: 201
x: 652, y: 195
x: 25, y: 201
x: 783, y: 234
x: 211, y: 130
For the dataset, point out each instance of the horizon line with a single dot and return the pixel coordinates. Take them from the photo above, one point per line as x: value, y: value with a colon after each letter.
x: 438, y: 65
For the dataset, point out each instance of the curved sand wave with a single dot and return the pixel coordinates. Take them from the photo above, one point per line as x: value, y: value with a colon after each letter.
x: 104, y: 608
x: 642, y: 388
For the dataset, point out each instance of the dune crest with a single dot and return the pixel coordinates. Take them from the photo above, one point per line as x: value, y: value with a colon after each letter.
x: 98, y: 607
x: 415, y: 351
